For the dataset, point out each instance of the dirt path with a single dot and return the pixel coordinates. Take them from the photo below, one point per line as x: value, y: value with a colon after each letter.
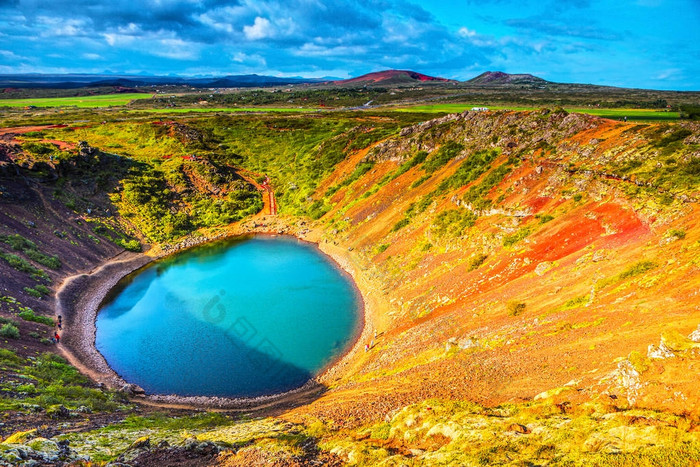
x: 269, y: 201
x: 78, y: 299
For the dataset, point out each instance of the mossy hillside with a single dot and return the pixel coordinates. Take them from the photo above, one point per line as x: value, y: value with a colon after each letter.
x: 46, y: 382
x: 460, y: 433
x: 433, y: 432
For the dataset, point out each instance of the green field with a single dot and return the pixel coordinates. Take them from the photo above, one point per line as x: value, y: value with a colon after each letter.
x: 106, y: 100
x: 224, y: 109
x: 615, y: 114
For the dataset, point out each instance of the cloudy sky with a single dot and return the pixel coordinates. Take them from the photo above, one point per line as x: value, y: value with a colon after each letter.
x: 633, y: 43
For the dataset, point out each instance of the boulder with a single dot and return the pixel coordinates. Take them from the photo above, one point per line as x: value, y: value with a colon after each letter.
x: 695, y: 335
x: 518, y: 428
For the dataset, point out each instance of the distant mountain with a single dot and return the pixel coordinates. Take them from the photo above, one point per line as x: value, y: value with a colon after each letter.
x: 498, y: 78
x: 392, y: 77
x: 129, y: 81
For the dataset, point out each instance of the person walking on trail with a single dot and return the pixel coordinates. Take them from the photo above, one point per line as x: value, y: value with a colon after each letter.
x: 58, y: 338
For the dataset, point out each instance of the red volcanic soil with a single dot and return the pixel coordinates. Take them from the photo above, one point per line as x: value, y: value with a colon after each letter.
x: 380, y: 76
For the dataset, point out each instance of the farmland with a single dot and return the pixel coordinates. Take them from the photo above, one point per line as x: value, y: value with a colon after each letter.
x: 108, y: 100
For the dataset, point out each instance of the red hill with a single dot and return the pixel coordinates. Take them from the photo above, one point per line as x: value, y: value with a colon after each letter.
x: 393, y: 77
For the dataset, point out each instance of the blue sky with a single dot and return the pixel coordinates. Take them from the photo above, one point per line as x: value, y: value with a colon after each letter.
x: 633, y: 43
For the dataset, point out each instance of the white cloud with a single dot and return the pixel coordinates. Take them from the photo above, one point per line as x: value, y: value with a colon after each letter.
x: 91, y: 56
x: 175, y: 48
x: 314, y: 50
x: 260, y: 29
x: 254, y: 59
x: 466, y: 32
x: 669, y: 74
x: 160, y: 43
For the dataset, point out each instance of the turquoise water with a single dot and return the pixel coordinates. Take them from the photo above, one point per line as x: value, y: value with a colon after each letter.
x: 238, y: 318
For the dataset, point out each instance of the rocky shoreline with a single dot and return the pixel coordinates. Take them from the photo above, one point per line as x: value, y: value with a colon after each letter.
x: 80, y: 297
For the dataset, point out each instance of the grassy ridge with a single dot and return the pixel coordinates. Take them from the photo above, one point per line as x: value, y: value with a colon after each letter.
x: 617, y: 114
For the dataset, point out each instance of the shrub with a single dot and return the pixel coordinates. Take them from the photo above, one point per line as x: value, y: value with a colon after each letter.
x: 453, y: 222
x: 318, y: 209
x: 21, y: 264
x: 32, y: 292
x: 42, y: 289
x: 676, y: 135
x: 130, y: 245
x: 9, y: 331
x: 477, y: 261
x: 515, y: 308
x: 49, y: 261
x: 19, y: 243
x: 400, y: 224
x: 678, y: 233
x: 28, y: 315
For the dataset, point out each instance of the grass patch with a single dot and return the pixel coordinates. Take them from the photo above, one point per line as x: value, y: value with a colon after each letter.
x: 453, y: 222
x: 22, y: 265
x: 54, y: 382
x: 472, y: 168
x: 512, y: 239
x: 401, y: 224
x: 29, y: 248
x: 419, y: 181
x: 442, y: 156
x: 637, y: 269
x: 168, y: 422
x: 576, y: 302
x: 381, y: 248
x: 418, y: 158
